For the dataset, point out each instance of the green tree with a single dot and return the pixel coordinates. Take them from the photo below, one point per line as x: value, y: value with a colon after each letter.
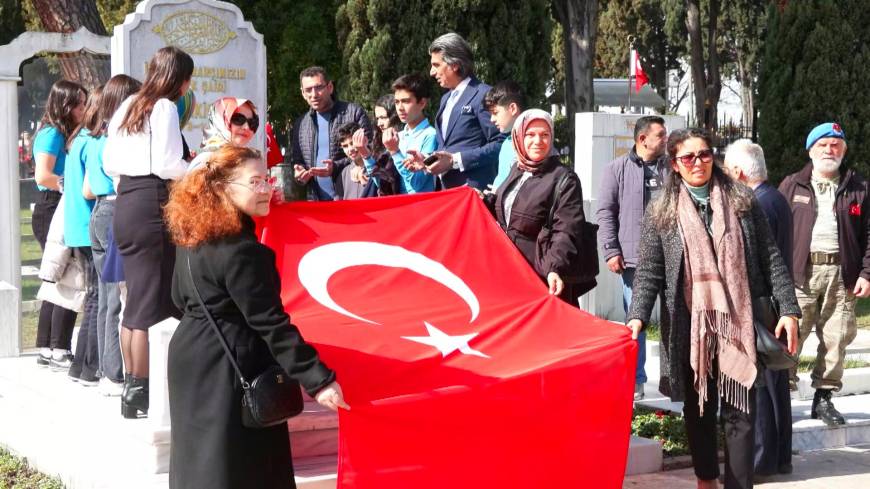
x: 11, y: 20
x: 384, y: 39
x: 744, y: 27
x: 815, y: 69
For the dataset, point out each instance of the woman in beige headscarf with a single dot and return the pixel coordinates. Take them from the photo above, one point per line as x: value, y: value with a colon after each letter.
x: 230, y: 121
x: 524, y: 201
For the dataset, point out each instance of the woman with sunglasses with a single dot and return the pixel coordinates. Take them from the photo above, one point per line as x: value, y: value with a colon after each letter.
x: 706, y: 242
x: 230, y: 121
x: 210, y: 215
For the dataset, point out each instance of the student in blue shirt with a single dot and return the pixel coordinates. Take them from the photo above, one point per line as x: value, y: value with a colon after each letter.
x: 98, y: 184
x: 504, y: 102
x: 63, y: 112
x: 77, y: 207
x: 411, y: 93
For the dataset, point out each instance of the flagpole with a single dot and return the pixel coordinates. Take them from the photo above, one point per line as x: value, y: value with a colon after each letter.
x: 630, y: 69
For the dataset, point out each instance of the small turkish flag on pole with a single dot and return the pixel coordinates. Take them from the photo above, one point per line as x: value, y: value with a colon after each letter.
x: 640, y: 78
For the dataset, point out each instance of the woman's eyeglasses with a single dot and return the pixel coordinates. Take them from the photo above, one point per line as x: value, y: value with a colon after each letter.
x: 260, y: 186
x: 689, y: 159
x: 240, y: 120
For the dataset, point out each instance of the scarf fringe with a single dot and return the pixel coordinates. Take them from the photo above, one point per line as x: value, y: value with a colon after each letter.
x: 717, y: 325
x: 733, y: 392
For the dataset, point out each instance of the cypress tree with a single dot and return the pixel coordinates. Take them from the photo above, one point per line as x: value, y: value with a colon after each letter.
x: 816, y: 69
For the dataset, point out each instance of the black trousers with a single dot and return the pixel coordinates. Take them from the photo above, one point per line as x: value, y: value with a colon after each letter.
x: 773, y: 424
x: 702, y: 435
x: 56, y: 324
x: 86, y: 361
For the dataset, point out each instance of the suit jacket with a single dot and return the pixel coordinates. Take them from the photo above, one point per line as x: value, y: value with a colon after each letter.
x: 473, y: 135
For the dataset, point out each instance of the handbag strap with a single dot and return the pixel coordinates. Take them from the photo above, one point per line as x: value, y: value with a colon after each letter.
x: 214, y: 326
x: 557, y: 194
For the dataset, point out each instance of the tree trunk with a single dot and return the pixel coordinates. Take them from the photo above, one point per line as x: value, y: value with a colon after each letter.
x: 68, y: 16
x: 579, y: 19
x: 747, y: 90
x: 696, y: 58
x: 714, y: 76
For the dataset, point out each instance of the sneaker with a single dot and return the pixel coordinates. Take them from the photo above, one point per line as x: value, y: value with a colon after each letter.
x: 63, y: 362
x: 42, y: 361
x: 110, y: 388
x: 88, y: 378
x: 638, y: 392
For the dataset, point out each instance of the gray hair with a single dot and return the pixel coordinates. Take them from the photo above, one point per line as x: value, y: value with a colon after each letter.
x: 456, y: 52
x: 749, y: 157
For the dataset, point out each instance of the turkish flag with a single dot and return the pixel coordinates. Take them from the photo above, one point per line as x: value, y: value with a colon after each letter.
x: 460, y: 369
x: 640, y: 77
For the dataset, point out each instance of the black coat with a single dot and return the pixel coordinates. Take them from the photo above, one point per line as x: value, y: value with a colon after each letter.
x: 529, y: 216
x: 239, y: 284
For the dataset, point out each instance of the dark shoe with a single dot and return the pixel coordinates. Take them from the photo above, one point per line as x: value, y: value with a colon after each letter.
x: 74, y: 372
x: 785, y: 469
x: 43, y: 361
x: 63, y: 363
x: 823, y: 408
x: 135, y: 399
x: 88, y: 378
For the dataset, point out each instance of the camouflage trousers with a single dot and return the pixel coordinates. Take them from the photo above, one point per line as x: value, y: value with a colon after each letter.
x: 829, y: 309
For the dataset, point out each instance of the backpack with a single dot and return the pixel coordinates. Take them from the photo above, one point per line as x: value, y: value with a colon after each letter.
x: 583, y: 271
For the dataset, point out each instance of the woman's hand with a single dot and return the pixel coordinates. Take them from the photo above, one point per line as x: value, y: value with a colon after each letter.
x: 790, y: 325
x: 555, y: 282
x: 331, y: 397
x: 635, y: 325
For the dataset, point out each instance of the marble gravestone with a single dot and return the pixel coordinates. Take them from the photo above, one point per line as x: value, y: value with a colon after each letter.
x: 228, y: 54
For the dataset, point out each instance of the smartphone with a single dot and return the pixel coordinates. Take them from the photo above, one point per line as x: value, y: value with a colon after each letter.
x: 430, y: 159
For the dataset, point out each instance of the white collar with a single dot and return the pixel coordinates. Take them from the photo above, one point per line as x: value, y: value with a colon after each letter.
x: 462, y: 86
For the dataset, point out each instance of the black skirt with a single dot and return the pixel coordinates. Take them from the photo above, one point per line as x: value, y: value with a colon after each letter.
x: 147, y: 251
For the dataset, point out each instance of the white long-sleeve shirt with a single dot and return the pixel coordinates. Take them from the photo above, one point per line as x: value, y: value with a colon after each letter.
x: 157, y: 150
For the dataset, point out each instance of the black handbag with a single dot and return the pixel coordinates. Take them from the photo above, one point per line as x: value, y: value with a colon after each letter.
x: 272, y: 397
x: 583, y: 271
x: 771, y: 351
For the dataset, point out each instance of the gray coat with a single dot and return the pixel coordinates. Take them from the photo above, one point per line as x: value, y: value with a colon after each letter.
x: 661, y: 266
x: 621, y: 206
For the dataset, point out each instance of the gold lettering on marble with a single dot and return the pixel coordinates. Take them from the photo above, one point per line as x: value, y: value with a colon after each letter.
x: 194, y: 32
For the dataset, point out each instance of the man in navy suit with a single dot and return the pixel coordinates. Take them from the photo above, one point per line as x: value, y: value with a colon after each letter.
x: 468, y: 141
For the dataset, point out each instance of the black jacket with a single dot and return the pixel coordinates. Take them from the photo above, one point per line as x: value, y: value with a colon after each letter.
x: 529, y: 216
x: 237, y: 279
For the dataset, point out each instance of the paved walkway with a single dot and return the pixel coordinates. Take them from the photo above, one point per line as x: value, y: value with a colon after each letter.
x: 839, y: 468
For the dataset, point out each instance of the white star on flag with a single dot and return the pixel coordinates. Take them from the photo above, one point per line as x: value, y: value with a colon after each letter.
x: 445, y: 343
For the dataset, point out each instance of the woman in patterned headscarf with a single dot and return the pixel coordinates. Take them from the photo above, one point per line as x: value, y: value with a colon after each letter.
x: 230, y: 121
x: 525, y: 201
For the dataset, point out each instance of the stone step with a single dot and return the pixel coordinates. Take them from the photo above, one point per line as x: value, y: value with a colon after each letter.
x: 313, y: 433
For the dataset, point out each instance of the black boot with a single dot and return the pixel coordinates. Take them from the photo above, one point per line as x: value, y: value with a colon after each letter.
x: 824, y: 409
x: 135, y: 399
x: 127, y: 377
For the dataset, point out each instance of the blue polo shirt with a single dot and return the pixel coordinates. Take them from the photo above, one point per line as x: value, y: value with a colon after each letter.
x: 506, y: 157
x: 100, y: 183
x: 423, y: 139
x: 76, y: 209
x: 50, y: 141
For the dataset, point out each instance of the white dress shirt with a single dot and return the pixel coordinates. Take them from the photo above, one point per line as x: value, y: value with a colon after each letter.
x: 455, y: 94
x: 157, y: 150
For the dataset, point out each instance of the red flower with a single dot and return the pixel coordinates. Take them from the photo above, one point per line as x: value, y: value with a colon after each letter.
x: 837, y: 127
x: 855, y: 210
x: 660, y: 414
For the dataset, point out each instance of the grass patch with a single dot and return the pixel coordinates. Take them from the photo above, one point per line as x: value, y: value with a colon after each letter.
x: 808, y: 362
x: 862, y: 313
x: 653, y: 332
x: 29, y: 288
x: 16, y: 473
x: 31, y: 253
x: 28, y: 329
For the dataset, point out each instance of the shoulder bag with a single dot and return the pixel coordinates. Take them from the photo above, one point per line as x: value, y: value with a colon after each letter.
x: 272, y: 397
x: 771, y: 351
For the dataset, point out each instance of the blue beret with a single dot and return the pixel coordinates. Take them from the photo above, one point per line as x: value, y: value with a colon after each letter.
x: 826, y: 130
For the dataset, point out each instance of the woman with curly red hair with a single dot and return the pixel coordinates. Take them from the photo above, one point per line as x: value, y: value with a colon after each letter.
x: 209, y: 216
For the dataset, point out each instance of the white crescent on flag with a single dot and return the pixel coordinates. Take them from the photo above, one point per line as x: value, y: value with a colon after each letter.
x: 318, y: 265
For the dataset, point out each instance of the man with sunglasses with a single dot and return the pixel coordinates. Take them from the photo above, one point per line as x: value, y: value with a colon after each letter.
x: 315, y: 144
x: 628, y: 184
x: 829, y: 203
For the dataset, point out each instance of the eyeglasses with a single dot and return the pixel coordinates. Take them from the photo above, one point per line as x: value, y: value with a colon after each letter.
x: 240, y: 120
x: 688, y: 159
x: 260, y: 186
x: 314, y: 89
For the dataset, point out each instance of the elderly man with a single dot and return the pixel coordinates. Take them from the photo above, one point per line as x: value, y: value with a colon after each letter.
x: 628, y: 184
x: 829, y: 204
x: 468, y: 142
x: 744, y: 161
x: 315, y: 143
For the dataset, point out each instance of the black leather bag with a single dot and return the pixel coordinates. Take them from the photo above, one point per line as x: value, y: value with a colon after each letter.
x: 272, y: 397
x: 585, y: 267
x: 771, y: 351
